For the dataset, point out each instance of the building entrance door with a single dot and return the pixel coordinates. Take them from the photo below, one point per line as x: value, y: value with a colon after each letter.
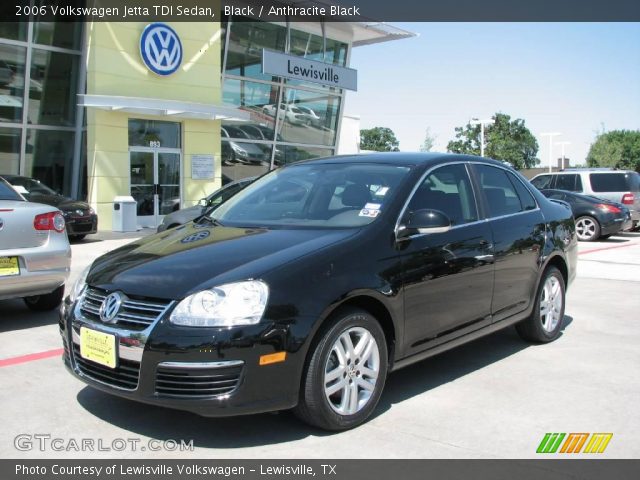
x: 155, y: 182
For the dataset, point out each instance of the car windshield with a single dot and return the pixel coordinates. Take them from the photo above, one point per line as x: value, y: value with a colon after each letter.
x: 8, y: 193
x: 32, y: 186
x: 328, y: 195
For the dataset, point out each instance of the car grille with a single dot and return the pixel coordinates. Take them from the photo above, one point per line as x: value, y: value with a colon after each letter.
x: 197, y: 382
x: 134, y: 314
x: 125, y: 375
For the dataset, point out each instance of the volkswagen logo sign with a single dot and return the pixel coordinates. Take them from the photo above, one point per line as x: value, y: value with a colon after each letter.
x: 110, y: 307
x: 160, y: 48
x: 194, y: 237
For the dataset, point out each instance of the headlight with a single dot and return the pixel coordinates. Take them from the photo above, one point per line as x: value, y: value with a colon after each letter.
x: 80, y: 284
x: 240, y: 303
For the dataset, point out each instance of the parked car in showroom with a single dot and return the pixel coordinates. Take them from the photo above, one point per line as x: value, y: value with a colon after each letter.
x: 306, y: 288
x: 80, y: 219
x: 35, y: 255
x: 621, y: 186
x: 596, y: 219
x: 182, y: 216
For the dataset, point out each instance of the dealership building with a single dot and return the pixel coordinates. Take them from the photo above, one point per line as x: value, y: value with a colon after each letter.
x: 169, y: 112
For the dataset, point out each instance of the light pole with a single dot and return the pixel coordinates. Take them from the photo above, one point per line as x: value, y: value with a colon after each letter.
x: 482, y: 123
x: 550, y: 135
x: 563, y: 144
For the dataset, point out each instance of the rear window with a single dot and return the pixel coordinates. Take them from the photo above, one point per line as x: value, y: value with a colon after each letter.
x: 8, y: 193
x: 609, y: 182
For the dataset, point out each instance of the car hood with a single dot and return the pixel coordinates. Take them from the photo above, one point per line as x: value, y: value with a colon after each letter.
x: 189, y: 258
x: 59, y: 201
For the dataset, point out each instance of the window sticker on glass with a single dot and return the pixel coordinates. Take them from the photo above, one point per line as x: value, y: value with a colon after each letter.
x: 382, y: 191
x: 371, y: 210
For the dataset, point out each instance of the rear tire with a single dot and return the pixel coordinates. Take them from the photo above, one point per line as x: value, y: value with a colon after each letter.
x: 44, y: 303
x: 587, y: 229
x: 345, y: 375
x: 545, y: 322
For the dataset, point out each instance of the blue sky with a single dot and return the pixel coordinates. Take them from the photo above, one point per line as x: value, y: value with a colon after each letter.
x: 560, y: 77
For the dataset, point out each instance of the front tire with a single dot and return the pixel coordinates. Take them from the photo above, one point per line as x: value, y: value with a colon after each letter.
x: 545, y: 322
x: 44, y: 303
x: 587, y: 229
x: 345, y: 374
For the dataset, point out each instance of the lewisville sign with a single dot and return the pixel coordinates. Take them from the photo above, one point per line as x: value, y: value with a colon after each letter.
x: 290, y: 66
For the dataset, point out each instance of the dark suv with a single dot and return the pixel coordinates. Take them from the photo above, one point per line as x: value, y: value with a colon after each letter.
x: 305, y: 289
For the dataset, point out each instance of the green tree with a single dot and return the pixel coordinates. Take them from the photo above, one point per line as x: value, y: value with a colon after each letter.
x: 429, y: 141
x: 379, y: 139
x: 617, y: 148
x: 505, y: 139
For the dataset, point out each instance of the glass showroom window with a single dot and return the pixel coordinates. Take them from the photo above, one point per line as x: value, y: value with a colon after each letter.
x: 53, y: 88
x: 14, y: 30
x: 246, y: 42
x: 309, y: 117
x: 9, y: 150
x: 48, y: 157
x: 12, y: 61
x: 58, y: 34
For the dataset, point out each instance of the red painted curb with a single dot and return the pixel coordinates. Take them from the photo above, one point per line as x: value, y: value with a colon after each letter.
x: 608, y: 248
x: 30, y: 357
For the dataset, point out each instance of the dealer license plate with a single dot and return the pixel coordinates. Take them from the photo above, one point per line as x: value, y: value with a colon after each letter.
x: 98, y: 347
x: 9, y: 266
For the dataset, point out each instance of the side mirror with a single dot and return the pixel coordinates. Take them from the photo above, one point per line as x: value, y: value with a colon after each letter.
x: 424, y: 221
x: 203, y: 202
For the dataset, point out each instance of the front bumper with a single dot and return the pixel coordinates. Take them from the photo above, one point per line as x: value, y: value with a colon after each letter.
x: 81, y: 225
x: 211, y: 372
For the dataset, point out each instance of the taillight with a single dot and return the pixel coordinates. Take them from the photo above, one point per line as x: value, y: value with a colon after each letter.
x: 49, y: 221
x: 608, y: 208
x: 627, y: 199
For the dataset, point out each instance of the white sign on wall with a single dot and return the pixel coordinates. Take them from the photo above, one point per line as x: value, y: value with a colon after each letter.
x: 290, y: 66
x: 202, y: 167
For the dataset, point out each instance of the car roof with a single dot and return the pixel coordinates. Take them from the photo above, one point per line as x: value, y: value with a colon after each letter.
x: 402, y: 158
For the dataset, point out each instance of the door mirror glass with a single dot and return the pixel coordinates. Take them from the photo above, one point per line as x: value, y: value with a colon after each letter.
x: 424, y: 221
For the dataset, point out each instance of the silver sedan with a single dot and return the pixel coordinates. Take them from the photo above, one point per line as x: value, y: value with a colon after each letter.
x: 35, y: 255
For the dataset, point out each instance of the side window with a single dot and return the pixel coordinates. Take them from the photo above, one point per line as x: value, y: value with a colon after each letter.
x: 526, y: 199
x: 542, y: 181
x: 449, y: 190
x: 578, y: 184
x: 567, y: 182
x: 500, y: 193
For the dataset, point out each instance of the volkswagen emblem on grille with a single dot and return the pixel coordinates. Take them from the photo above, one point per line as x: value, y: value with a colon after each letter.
x: 79, y: 212
x: 110, y: 307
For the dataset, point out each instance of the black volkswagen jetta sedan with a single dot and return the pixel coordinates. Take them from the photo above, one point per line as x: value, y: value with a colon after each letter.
x: 304, y: 290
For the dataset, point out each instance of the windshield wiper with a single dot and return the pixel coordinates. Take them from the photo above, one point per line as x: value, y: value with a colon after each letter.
x: 211, y: 220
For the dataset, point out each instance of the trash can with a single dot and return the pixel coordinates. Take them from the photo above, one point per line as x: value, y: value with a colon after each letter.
x: 124, y: 214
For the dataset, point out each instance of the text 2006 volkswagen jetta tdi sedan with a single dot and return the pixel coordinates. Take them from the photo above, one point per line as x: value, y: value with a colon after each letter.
x: 305, y: 289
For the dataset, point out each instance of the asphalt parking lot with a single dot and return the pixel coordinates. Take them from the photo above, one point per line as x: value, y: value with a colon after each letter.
x: 493, y: 398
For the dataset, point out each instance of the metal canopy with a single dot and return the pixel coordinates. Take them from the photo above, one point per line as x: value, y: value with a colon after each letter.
x: 162, y: 107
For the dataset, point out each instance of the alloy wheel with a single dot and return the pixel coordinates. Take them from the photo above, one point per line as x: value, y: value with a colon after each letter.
x: 551, y: 304
x: 586, y: 228
x: 351, y: 371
